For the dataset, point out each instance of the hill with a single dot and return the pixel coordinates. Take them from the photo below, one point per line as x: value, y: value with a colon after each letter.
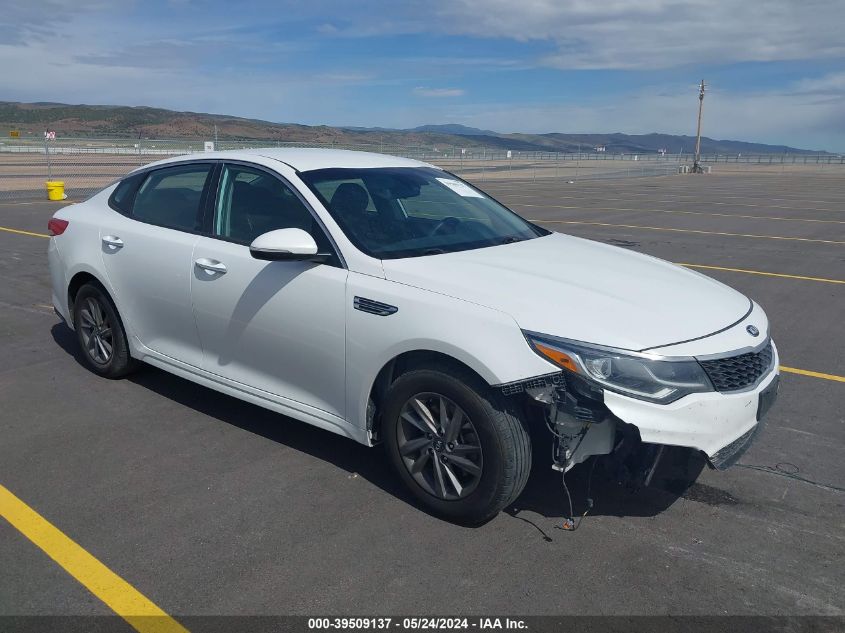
x: 146, y: 122
x: 453, y: 128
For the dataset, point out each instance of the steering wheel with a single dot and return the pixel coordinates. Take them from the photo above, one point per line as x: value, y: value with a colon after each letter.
x: 450, y: 223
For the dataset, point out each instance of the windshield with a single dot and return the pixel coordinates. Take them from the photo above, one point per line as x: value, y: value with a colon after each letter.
x: 411, y: 211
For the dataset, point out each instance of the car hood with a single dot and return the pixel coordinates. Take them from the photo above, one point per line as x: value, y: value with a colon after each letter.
x: 582, y: 290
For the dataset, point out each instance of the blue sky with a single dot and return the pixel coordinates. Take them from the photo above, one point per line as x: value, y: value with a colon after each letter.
x: 776, y: 68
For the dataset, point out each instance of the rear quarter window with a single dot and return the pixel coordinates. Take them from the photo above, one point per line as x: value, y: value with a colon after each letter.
x: 124, y: 194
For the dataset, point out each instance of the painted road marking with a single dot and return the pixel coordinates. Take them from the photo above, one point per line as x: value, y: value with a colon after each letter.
x: 765, y: 197
x: 590, y: 198
x: 702, y: 266
x: 813, y: 374
x: 760, y: 272
x: 678, y: 211
x: 19, y: 204
x: 118, y: 595
x: 19, y: 232
x: 661, y: 228
x: 690, y: 194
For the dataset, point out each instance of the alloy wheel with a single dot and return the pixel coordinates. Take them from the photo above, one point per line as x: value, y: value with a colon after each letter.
x: 96, y: 331
x: 439, y: 446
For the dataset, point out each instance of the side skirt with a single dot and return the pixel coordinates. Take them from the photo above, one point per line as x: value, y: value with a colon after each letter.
x: 291, y: 408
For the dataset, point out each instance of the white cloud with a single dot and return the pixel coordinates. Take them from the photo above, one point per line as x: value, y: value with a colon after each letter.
x: 275, y: 96
x: 93, y: 54
x: 618, y: 34
x: 782, y: 117
x: 422, y: 91
x: 581, y: 34
x: 807, y: 113
x: 832, y: 84
x: 649, y: 34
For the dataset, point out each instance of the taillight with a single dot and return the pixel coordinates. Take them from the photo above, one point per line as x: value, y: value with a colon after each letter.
x: 56, y: 226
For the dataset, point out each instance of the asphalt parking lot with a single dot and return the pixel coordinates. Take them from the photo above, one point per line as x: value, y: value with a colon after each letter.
x: 208, y: 505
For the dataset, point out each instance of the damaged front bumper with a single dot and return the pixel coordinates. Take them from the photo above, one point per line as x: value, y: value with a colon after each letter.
x: 586, y: 420
x: 720, y: 424
x: 729, y: 455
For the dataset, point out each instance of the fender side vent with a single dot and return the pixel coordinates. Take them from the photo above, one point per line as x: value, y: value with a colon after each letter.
x: 374, y: 307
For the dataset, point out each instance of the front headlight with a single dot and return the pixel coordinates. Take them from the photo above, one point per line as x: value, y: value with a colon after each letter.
x: 635, y: 375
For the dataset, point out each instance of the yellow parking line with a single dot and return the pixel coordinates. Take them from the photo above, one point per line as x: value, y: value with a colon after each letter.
x: 681, y: 212
x: 19, y: 232
x: 118, y: 595
x: 627, y: 199
x: 760, y: 272
x: 813, y: 374
x: 663, y: 228
x: 20, y: 204
x: 691, y: 197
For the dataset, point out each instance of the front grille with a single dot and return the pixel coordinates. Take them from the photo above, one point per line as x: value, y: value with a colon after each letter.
x: 739, y: 372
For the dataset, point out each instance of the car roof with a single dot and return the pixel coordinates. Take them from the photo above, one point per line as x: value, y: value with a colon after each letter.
x: 305, y: 158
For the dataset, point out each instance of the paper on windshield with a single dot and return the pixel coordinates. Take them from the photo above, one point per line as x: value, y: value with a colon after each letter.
x: 460, y: 188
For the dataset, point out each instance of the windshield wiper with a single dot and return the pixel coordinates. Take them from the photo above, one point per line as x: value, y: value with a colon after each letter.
x: 433, y: 251
x: 510, y: 239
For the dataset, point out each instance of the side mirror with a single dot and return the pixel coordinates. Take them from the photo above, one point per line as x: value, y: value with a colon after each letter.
x: 286, y: 245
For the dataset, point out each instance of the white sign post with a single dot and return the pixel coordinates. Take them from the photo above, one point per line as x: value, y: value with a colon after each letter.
x: 208, y: 146
x: 49, y: 135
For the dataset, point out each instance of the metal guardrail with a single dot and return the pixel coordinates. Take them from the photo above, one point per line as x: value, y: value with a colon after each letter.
x: 86, y: 165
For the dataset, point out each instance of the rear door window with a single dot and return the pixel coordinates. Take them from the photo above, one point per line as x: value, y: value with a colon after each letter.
x: 172, y: 197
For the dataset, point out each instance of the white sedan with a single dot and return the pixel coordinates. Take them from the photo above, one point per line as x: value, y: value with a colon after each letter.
x: 389, y: 301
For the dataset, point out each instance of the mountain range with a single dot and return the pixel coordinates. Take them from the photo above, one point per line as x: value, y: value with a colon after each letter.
x: 158, y: 123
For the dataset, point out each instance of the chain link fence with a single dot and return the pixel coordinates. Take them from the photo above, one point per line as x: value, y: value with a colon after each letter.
x: 86, y: 165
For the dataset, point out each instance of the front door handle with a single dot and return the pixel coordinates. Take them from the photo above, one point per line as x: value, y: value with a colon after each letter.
x: 211, y: 265
x: 113, y: 242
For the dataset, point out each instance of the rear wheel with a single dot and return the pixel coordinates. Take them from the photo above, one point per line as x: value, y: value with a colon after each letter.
x: 100, y: 333
x: 454, y: 443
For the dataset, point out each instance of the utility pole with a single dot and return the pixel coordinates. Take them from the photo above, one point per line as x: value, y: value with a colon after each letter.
x: 215, y: 137
x: 696, y: 165
x: 578, y: 162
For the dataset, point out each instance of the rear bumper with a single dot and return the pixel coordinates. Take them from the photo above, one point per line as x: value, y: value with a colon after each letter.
x: 58, y: 281
x: 721, y: 425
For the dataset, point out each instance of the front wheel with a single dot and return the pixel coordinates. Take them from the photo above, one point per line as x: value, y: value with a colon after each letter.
x: 455, y: 444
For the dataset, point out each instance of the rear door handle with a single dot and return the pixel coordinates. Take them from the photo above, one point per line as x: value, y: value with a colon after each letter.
x: 211, y: 265
x: 113, y: 242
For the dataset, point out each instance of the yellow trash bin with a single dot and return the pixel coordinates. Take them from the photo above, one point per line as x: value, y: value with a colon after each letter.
x: 56, y: 190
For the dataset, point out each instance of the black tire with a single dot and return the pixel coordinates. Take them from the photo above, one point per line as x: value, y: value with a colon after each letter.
x: 118, y: 362
x: 504, y: 441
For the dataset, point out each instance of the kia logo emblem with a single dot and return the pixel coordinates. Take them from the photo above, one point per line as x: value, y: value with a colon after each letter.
x: 753, y: 331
